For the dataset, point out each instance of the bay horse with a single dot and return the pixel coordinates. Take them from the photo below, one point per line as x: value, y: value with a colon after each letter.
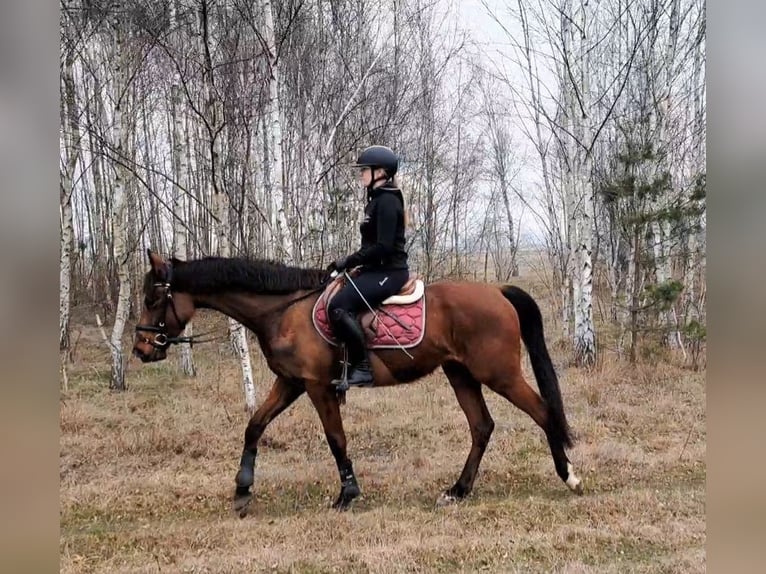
x: 473, y: 331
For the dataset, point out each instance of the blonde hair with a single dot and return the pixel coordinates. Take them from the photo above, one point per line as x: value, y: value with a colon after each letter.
x: 397, y: 181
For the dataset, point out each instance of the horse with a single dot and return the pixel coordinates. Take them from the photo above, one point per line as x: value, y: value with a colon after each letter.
x: 473, y: 332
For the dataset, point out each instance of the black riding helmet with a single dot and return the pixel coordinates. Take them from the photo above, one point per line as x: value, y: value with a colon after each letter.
x: 379, y: 156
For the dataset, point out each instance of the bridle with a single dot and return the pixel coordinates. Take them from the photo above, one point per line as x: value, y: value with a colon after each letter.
x: 161, y: 339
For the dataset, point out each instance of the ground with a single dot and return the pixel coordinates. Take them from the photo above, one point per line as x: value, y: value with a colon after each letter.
x: 146, y: 476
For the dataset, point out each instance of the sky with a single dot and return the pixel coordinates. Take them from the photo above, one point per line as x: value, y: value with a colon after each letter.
x: 479, y: 19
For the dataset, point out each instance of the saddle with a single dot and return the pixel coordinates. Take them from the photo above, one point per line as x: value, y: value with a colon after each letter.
x: 399, y: 322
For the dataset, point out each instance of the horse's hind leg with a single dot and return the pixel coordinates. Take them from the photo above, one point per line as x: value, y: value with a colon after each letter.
x: 469, y: 395
x: 283, y: 393
x: 515, y: 388
x: 326, y: 402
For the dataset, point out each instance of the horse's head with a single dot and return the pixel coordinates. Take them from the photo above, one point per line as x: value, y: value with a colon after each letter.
x: 165, y: 312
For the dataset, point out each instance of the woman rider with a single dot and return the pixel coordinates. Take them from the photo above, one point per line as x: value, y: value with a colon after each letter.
x: 381, y: 258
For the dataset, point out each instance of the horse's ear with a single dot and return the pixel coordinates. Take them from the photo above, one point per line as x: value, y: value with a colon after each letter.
x: 159, y: 267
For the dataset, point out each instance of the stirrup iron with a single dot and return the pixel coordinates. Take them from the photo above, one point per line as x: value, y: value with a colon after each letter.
x: 341, y: 385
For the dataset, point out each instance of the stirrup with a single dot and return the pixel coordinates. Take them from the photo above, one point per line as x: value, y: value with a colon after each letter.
x: 341, y: 385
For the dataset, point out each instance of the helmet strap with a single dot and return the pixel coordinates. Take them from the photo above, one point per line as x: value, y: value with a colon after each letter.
x: 375, y: 180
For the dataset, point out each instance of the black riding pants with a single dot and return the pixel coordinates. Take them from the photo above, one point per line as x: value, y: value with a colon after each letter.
x: 375, y: 285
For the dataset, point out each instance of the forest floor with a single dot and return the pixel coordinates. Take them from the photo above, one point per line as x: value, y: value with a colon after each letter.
x: 146, y: 475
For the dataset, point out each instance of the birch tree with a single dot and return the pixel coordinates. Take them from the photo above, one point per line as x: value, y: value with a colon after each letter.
x: 180, y: 169
x: 70, y: 131
x: 120, y: 142
x: 215, y: 124
x: 273, y: 169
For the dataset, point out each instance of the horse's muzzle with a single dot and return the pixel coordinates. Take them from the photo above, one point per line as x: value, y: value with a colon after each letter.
x: 152, y: 356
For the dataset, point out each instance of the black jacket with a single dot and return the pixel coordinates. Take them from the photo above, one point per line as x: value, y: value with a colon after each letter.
x: 382, y: 231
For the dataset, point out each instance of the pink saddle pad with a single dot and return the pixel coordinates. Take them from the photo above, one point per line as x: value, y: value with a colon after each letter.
x: 395, y: 326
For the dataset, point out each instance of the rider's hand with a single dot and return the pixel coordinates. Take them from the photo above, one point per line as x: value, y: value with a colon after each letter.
x: 337, y: 265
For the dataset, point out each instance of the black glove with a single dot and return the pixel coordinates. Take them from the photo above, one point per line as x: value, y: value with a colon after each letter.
x: 338, y: 265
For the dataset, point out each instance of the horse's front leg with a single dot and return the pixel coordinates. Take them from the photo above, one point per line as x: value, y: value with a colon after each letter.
x: 283, y: 393
x: 325, y: 400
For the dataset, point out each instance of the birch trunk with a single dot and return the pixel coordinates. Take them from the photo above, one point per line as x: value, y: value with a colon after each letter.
x: 70, y: 129
x: 514, y: 271
x: 661, y: 95
x: 583, y: 129
x: 215, y: 121
x: 118, y: 211
x: 455, y: 207
x: 693, y: 249
x: 585, y: 337
x: 274, y: 184
x: 501, y: 145
x: 180, y: 167
x: 237, y: 333
x: 94, y: 114
x: 634, y: 276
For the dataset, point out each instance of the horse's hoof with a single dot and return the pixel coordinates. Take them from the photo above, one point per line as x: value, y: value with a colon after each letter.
x: 446, y: 499
x: 346, y: 496
x: 241, y: 503
x: 574, y: 483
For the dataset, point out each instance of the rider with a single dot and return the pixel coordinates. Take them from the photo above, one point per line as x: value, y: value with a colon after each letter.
x: 382, y: 258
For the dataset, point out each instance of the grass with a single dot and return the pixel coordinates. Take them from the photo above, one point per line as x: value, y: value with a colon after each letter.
x: 146, y: 477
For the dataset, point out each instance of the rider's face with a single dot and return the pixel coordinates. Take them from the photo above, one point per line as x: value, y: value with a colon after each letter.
x: 365, y: 176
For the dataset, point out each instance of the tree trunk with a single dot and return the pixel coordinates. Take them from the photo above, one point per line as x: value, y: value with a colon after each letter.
x: 663, y: 163
x: 275, y: 184
x: 118, y: 212
x: 71, y: 131
x: 583, y: 129
x: 215, y: 126
x: 180, y: 169
x: 634, y: 274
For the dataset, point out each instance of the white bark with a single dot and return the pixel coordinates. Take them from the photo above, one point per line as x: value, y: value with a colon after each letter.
x: 661, y: 95
x: 71, y: 133
x: 501, y: 149
x: 275, y: 182
x: 180, y: 167
x: 214, y: 115
x: 237, y: 333
x: 585, y: 336
x: 694, y: 247
x: 584, y: 131
x: 118, y: 213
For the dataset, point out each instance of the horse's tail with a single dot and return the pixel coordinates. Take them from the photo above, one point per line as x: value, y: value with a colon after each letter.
x: 531, y: 324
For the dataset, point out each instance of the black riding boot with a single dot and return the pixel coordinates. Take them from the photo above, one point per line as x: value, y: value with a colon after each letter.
x: 348, y: 329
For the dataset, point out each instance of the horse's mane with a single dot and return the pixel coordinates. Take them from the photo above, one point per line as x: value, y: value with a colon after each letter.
x: 214, y: 274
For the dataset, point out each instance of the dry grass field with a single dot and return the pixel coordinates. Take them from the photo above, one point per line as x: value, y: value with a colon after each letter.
x: 146, y: 476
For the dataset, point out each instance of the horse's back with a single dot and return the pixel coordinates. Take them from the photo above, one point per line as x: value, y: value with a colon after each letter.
x: 471, y: 307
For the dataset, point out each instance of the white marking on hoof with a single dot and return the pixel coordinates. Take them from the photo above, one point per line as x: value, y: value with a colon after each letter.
x: 572, y: 481
x: 445, y: 499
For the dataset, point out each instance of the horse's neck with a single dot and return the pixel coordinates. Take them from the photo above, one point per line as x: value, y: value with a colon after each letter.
x: 254, y: 310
